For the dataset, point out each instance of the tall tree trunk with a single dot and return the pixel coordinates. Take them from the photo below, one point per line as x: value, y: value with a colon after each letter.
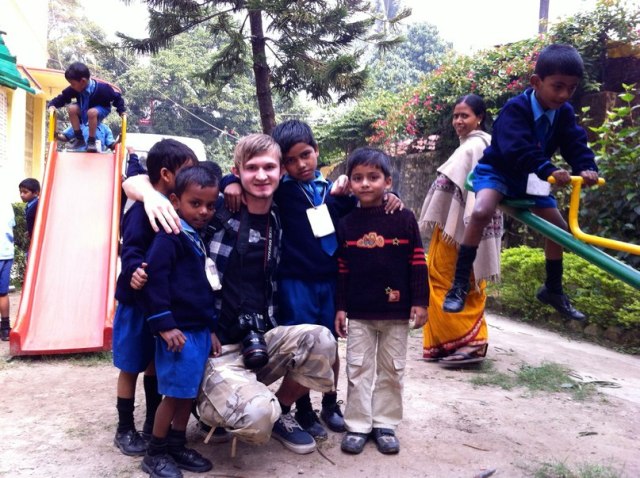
x: 543, y: 16
x: 261, y: 72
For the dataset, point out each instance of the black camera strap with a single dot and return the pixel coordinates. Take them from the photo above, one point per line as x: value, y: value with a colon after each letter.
x: 242, y: 248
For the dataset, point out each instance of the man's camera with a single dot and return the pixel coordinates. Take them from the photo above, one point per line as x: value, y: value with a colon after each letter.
x: 254, y: 347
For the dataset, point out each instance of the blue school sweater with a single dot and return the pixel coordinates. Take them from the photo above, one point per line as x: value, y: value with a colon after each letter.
x: 177, y: 293
x: 302, y: 254
x: 104, y: 95
x: 515, y: 150
x: 137, y: 236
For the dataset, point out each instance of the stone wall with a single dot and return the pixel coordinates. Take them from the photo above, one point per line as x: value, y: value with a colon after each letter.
x: 412, y: 175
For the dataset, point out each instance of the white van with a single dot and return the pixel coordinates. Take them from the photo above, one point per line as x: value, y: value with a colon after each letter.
x: 143, y: 142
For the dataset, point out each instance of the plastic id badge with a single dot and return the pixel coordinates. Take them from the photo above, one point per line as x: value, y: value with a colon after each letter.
x: 320, y: 221
x: 537, y: 187
x: 211, y: 271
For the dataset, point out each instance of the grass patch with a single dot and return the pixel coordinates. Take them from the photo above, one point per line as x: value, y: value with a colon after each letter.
x: 489, y: 376
x: 87, y: 359
x: 561, y: 470
x: 548, y: 377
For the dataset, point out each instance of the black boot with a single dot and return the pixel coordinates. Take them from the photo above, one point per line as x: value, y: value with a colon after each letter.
x: 186, y: 458
x: 454, y: 300
x: 5, y: 329
x: 331, y: 413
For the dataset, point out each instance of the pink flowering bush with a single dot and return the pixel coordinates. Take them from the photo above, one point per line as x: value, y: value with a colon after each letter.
x: 500, y: 73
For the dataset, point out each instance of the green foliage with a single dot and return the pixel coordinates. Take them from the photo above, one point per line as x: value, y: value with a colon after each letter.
x: 606, y: 300
x: 291, y: 46
x: 21, y: 245
x: 585, y: 470
x: 502, y: 72
x: 614, y: 210
x: 406, y: 62
x: 342, y: 132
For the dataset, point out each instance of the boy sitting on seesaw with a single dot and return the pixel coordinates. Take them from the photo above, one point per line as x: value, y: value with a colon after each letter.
x: 527, y: 132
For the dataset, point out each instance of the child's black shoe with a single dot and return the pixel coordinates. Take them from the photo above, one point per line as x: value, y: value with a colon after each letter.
x: 76, y: 144
x: 4, y: 334
x: 454, y: 300
x: 332, y: 416
x: 160, y: 466
x: 560, y: 302
x: 130, y: 443
x: 311, y: 424
x: 189, y: 459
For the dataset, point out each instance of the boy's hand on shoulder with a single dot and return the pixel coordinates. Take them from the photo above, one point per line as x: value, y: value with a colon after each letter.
x: 175, y: 339
x: 392, y: 203
x: 233, y: 197
x: 216, y: 346
x: 341, y: 187
x: 139, y: 277
x: 589, y: 178
x: 562, y: 177
x: 417, y: 317
x: 341, y: 323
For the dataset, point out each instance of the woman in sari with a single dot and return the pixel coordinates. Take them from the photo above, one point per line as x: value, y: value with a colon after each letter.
x: 460, y: 338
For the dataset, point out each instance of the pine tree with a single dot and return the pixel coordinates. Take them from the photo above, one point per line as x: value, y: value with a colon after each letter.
x: 292, y: 46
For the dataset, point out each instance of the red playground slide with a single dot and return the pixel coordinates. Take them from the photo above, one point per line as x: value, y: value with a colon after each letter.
x: 67, y: 302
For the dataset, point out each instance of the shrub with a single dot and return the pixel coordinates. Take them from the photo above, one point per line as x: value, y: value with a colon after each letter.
x: 606, y: 301
x: 21, y: 245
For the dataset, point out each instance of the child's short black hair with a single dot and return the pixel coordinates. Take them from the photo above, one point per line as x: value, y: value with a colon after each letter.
x: 198, y: 175
x: 31, y: 184
x: 77, y: 71
x: 559, y: 59
x: 213, y: 167
x: 369, y: 157
x: 291, y: 132
x: 168, y: 153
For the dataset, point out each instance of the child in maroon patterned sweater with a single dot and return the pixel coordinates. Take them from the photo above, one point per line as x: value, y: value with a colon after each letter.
x: 382, y: 285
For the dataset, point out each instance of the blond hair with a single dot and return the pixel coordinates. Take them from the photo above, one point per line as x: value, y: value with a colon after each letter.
x: 253, y: 145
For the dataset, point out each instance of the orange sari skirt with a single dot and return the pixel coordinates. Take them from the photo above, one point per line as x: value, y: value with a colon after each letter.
x: 444, y: 332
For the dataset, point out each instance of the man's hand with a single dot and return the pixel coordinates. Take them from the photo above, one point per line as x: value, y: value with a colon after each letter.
x: 392, y: 203
x: 175, y: 339
x: 139, y: 277
x: 216, y: 347
x: 233, y: 197
x: 159, y: 208
x: 417, y: 317
x: 341, y: 323
x: 562, y: 177
x: 340, y: 186
x: 589, y: 178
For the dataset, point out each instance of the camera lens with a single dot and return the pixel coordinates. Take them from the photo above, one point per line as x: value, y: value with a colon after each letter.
x: 254, y: 350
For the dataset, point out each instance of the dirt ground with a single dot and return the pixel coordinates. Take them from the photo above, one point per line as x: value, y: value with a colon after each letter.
x: 57, y: 418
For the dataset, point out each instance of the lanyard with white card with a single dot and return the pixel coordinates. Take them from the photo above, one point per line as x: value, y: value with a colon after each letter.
x: 319, y: 217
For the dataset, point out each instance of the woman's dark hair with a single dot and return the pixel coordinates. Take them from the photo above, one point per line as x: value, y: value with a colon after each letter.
x: 369, y: 157
x: 477, y: 105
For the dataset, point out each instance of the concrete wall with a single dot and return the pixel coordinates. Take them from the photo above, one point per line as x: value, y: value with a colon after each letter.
x: 412, y: 176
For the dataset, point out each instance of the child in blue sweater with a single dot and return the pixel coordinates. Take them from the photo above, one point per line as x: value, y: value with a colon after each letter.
x: 527, y: 132
x: 93, y: 102
x: 133, y: 343
x: 180, y: 310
